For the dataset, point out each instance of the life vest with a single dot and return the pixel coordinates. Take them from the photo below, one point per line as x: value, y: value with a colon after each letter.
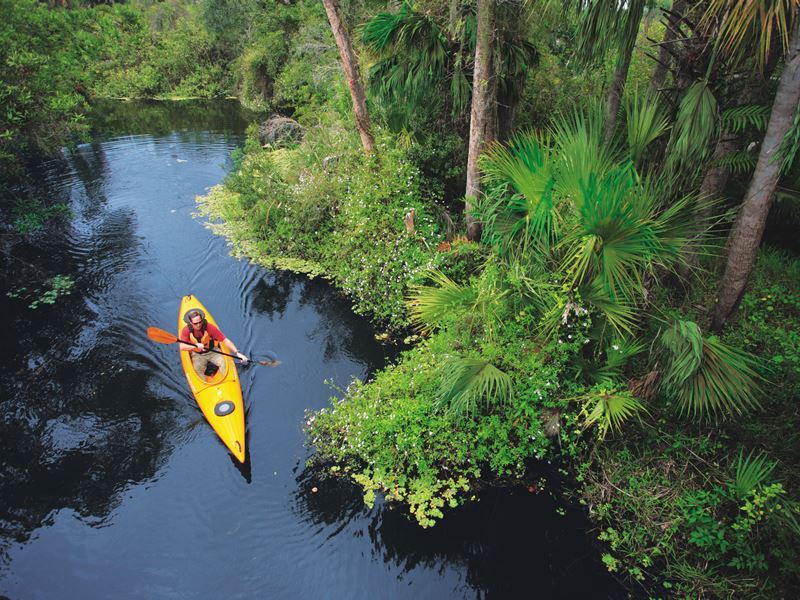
x: 205, y: 339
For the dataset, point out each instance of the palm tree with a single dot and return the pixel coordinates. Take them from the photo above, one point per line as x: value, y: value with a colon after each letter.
x: 483, y: 116
x: 425, y: 67
x: 743, y: 21
x: 579, y: 205
x: 350, y: 66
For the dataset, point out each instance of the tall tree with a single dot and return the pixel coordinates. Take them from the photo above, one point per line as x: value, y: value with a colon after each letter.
x: 350, y: 66
x: 483, y: 116
x: 748, y: 229
x: 424, y: 66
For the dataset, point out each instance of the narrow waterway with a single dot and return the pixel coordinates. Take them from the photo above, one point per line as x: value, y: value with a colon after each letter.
x: 113, y: 486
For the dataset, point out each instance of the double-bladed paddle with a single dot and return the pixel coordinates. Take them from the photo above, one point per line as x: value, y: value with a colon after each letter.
x: 165, y: 337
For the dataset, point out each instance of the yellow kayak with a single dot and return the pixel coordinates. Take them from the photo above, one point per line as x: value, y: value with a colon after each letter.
x: 220, y: 395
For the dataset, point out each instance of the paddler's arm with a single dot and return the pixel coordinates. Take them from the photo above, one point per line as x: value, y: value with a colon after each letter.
x: 189, y: 347
x: 232, y: 347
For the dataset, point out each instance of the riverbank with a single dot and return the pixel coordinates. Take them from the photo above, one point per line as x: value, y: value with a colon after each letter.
x: 666, y: 491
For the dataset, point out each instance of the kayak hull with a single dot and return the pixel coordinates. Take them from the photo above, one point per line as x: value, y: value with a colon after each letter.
x: 220, y: 396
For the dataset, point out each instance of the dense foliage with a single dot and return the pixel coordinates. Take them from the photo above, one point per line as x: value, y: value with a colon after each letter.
x: 578, y: 328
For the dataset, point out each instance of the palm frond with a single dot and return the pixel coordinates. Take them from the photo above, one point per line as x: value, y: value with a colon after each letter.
x: 705, y: 376
x: 619, y: 313
x: 739, y: 118
x: 757, y: 20
x: 695, y: 125
x: 471, y: 384
x: 751, y: 471
x: 610, y: 409
x: 430, y: 306
x: 578, y: 140
x: 612, y: 241
x: 646, y: 121
x: 608, y: 25
x: 519, y: 56
x: 526, y: 165
x: 674, y: 226
x: 412, y: 56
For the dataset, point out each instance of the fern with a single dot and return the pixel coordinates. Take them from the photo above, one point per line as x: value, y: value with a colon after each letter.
x: 740, y: 118
x: 738, y: 162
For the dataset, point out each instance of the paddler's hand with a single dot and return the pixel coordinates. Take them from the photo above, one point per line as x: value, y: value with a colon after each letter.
x: 200, y: 347
x: 243, y: 358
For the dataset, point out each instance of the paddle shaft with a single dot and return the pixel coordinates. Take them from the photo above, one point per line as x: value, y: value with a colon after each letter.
x: 213, y: 350
x: 165, y: 337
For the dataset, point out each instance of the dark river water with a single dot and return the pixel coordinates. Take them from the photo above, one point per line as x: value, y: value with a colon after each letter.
x: 113, y: 485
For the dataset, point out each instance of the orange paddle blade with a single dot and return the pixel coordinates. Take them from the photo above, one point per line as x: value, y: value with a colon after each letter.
x: 161, y: 336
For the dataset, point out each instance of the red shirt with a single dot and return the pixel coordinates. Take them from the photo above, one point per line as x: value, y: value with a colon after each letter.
x: 212, y: 330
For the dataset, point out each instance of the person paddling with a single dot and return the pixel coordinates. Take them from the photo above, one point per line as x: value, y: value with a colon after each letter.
x: 199, y: 336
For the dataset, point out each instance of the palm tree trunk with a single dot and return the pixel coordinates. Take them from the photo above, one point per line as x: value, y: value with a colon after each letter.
x: 350, y: 66
x: 748, y: 229
x: 615, y: 94
x: 717, y: 174
x: 484, y: 106
x: 670, y: 35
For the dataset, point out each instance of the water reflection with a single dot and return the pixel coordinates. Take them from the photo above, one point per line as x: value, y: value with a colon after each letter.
x: 510, y: 543
x: 155, y: 118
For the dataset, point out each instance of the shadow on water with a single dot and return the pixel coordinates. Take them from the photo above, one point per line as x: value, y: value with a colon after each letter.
x: 339, y: 330
x: 511, y: 543
x: 79, y: 421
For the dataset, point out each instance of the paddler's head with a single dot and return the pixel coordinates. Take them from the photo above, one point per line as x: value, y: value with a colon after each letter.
x: 195, y: 318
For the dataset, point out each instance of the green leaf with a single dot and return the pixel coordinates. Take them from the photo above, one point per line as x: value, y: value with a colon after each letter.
x: 469, y: 384
x: 707, y: 377
x: 751, y: 472
x: 610, y: 409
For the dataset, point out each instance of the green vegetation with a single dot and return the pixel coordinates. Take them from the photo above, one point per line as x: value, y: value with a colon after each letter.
x: 595, y: 322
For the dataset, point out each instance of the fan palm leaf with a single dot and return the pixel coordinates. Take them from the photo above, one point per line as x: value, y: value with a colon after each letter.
x: 612, y: 241
x: 646, y: 121
x: 581, y: 153
x: 525, y: 164
x: 609, y: 410
x: 705, y: 376
x: 617, y: 356
x: 619, y: 313
x: 413, y: 56
x: 470, y: 384
x: 430, y: 306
